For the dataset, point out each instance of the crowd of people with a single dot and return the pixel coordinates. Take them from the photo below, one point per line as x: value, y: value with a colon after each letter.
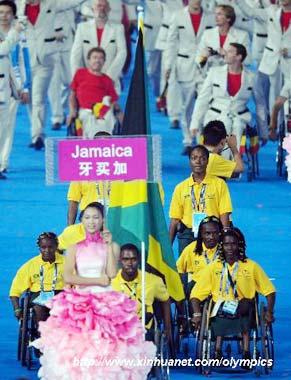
x: 210, y: 59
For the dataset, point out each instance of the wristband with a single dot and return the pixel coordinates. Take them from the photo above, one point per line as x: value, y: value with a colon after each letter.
x: 197, y: 315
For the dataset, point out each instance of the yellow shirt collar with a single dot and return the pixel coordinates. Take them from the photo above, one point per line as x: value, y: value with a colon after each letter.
x: 206, y: 180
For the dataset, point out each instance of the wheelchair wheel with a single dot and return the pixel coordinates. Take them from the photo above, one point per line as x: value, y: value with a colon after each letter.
x: 162, y: 372
x: 203, y: 346
x: 267, y: 341
x: 28, y: 332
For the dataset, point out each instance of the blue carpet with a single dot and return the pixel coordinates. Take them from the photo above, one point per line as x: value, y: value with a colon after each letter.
x: 262, y: 209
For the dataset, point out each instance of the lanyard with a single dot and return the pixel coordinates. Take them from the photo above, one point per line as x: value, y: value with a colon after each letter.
x: 107, y: 185
x: 54, y: 282
x: 229, y: 280
x: 208, y: 261
x: 200, y: 206
x: 133, y: 291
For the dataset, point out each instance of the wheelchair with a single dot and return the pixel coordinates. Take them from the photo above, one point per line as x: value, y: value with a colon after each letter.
x: 159, y: 338
x: 183, y: 332
x: 249, y: 148
x: 27, y: 332
x: 261, y: 342
x: 284, y: 129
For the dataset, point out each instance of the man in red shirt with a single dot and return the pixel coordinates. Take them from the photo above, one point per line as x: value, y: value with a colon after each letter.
x: 90, y: 87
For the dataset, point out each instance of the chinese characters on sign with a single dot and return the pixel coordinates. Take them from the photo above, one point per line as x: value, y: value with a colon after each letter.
x: 103, y: 159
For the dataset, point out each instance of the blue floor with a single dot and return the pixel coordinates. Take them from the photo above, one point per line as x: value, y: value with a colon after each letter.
x: 262, y: 209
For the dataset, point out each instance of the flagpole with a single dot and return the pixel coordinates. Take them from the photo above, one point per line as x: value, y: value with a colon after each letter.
x: 143, y: 284
x: 140, y: 16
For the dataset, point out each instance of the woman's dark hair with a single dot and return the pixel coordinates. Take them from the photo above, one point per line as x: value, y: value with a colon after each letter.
x: 96, y: 205
x: 236, y: 233
x: 47, y: 235
x: 209, y: 219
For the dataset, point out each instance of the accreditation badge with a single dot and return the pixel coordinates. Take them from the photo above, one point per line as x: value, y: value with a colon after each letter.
x: 230, y: 307
x: 44, y: 298
x: 197, y: 217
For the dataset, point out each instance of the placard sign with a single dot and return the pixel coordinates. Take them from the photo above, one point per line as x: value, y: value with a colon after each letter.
x: 103, y: 159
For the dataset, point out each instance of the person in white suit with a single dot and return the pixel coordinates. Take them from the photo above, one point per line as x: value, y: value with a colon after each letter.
x: 102, y: 33
x: 224, y: 95
x: 153, y: 15
x: 186, y: 29
x: 42, y: 44
x: 59, y: 88
x: 215, y: 41
x: 173, y: 104
x: 276, y: 60
x: 9, y: 39
x: 241, y: 21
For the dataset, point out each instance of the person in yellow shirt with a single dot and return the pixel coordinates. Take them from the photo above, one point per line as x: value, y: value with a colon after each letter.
x: 196, y: 197
x: 197, y: 255
x: 215, y: 139
x: 128, y: 281
x: 232, y: 281
x: 42, y: 276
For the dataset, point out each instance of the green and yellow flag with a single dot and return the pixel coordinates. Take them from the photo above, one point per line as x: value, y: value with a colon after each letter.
x: 135, y: 211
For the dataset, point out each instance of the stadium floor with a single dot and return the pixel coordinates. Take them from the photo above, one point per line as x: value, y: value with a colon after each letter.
x: 262, y: 209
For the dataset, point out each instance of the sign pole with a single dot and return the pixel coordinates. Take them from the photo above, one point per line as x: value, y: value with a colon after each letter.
x: 143, y: 283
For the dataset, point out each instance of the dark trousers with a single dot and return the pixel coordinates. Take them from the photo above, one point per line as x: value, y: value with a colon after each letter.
x: 185, y: 237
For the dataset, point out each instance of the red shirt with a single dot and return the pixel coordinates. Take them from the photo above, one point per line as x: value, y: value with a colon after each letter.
x: 285, y: 20
x: 32, y: 12
x: 233, y: 83
x: 90, y: 88
x: 99, y: 35
x: 196, y: 19
x: 222, y: 40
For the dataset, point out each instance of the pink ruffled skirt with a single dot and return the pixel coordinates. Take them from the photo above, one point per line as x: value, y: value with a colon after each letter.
x: 92, y: 336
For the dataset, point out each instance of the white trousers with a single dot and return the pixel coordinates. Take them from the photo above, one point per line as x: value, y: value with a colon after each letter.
x: 8, y: 134
x: 91, y: 125
x: 41, y: 77
x: 59, y: 88
x: 4, y: 133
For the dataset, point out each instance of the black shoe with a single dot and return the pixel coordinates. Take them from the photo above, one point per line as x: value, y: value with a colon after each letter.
x: 4, y: 171
x: 31, y: 145
x: 39, y: 144
x: 56, y: 126
x: 186, y: 151
x: 2, y: 176
x: 175, y: 124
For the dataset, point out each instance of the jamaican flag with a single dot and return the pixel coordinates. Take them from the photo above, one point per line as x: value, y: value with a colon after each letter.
x: 135, y: 211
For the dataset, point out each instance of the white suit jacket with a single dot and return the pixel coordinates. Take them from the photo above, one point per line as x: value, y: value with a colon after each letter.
x: 182, y: 43
x: 41, y: 36
x: 153, y: 15
x: 65, y: 24
x: 214, y: 95
x: 276, y: 41
x: 6, y: 73
x: 169, y: 9
x: 112, y: 41
x: 210, y: 38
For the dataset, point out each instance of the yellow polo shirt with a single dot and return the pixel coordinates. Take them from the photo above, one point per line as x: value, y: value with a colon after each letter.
x: 217, y: 198
x: 155, y: 289
x: 28, y: 276
x: 88, y: 192
x: 250, y: 279
x: 219, y: 166
x: 191, y: 262
x: 71, y: 235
